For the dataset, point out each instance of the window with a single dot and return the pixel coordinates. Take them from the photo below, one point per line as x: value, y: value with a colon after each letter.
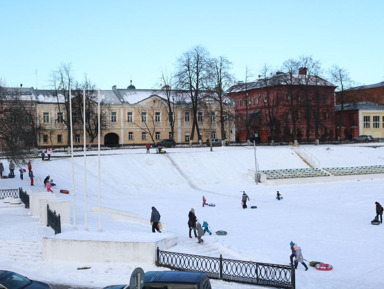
x: 170, y: 117
x: 200, y: 117
x: 213, y: 116
x: 213, y: 134
x: 129, y: 116
x: 382, y: 122
x: 289, y: 97
x: 325, y: 115
x: 367, y: 121
x: 45, y: 138
x: 265, y: 98
x: 258, y: 98
x: 225, y: 135
x: 144, y: 116
x: 45, y: 117
x: 157, y: 135
x: 170, y: 136
x: 59, y: 138
x: 288, y: 116
x: 376, y: 121
x: 186, y: 137
x: 28, y: 118
x: 77, y: 138
x: 253, y: 100
x: 240, y: 103
x: 130, y: 135
x: 187, y: 114
x: 157, y: 116
x: 113, y: 116
x: 60, y: 117
x: 143, y: 135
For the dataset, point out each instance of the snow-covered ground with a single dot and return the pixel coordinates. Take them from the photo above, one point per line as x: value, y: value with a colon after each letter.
x: 329, y: 217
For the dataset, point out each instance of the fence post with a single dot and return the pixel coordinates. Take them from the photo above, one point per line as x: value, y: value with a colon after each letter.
x: 47, y: 215
x: 221, y: 267
x: 293, y: 278
x: 58, y: 224
x: 157, y: 256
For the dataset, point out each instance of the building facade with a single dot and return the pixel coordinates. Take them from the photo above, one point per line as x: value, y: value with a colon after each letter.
x: 285, y: 107
x: 129, y: 117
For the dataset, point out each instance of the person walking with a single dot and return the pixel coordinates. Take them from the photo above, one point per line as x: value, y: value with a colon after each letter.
x: 1, y: 169
x: 155, y: 220
x: 244, y: 199
x: 42, y: 155
x: 49, y: 153
x: 11, y: 169
x: 299, y: 257
x: 293, y: 252
x: 29, y: 167
x: 21, y: 174
x: 48, y: 186
x: 148, y: 146
x: 31, y: 176
x: 192, y: 223
x: 206, y: 228
x: 200, y: 232
x: 379, y: 212
x: 205, y: 201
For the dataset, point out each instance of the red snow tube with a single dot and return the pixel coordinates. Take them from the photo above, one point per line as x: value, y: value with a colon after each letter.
x: 324, y: 267
x: 64, y: 192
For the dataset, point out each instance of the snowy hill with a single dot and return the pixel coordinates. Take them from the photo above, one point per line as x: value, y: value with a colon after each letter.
x: 330, y: 221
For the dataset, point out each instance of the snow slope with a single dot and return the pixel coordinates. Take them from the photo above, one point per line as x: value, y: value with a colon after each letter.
x: 329, y: 220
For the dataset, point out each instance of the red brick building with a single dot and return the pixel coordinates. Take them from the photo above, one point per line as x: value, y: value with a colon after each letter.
x: 285, y: 107
x: 362, y: 112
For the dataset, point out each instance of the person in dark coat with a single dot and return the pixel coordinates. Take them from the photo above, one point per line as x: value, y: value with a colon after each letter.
x: 192, y: 223
x: 11, y: 169
x: 379, y: 212
x: 244, y: 199
x: 46, y: 180
x: 1, y: 169
x: 155, y: 220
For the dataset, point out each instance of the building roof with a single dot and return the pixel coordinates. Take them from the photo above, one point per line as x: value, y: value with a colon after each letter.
x: 376, y: 85
x: 281, y: 79
x: 364, y: 105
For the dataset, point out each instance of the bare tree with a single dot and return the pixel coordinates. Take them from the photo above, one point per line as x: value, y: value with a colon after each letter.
x: 271, y: 102
x: 166, y: 84
x: 17, y: 121
x: 192, y: 76
x: 341, y: 78
x: 220, y: 80
x: 308, y: 67
x: 289, y: 79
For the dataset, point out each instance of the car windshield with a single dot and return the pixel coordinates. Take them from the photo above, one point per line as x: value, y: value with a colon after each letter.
x: 14, y: 281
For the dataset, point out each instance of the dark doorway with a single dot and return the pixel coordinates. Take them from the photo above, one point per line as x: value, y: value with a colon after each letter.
x: 111, y: 140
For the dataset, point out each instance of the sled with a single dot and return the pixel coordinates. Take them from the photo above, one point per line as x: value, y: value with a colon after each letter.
x: 221, y: 232
x: 324, y: 267
x: 253, y: 207
x: 314, y: 263
x: 64, y: 192
x: 211, y: 205
x: 375, y: 222
x: 24, y: 170
x: 279, y: 198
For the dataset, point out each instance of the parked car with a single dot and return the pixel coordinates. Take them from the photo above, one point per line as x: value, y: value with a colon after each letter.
x: 363, y: 138
x: 12, y: 280
x: 215, y: 142
x: 168, y: 143
x: 171, y: 280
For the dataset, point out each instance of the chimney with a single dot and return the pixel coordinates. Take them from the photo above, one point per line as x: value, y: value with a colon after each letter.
x: 303, y: 70
x: 114, y: 87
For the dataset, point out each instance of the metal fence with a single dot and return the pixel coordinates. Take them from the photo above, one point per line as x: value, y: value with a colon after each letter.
x: 53, y: 220
x: 9, y: 193
x: 24, y: 197
x: 263, y: 274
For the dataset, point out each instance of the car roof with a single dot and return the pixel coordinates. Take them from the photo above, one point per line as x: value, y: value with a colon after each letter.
x: 173, y: 276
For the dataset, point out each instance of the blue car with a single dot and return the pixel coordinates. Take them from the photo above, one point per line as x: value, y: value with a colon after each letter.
x: 12, y: 280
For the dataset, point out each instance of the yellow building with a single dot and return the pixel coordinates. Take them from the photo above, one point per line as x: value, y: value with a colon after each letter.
x: 132, y: 117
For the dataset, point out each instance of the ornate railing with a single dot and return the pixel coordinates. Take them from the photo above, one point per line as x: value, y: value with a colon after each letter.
x: 53, y: 220
x: 272, y: 275
x: 9, y: 193
x: 24, y: 197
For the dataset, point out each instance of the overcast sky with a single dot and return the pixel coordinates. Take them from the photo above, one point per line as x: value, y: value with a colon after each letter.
x: 115, y: 41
